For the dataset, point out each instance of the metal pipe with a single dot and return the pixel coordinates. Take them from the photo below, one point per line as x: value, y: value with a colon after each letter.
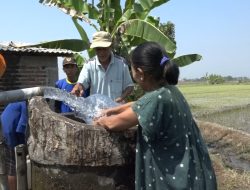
x: 3, y: 175
x: 21, y: 167
x: 29, y: 175
x: 3, y: 182
x: 21, y: 94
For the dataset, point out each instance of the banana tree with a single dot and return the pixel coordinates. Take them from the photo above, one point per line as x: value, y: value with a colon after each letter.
x: 129, y: 24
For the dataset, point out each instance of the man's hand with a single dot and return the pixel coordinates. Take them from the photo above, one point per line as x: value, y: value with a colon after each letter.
x: 124, y: 94
x: 78, y: 90
x: 120, y: 100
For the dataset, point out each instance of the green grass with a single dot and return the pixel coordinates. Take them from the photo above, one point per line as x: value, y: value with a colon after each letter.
x: 206, y: 99
x: 219, y: 104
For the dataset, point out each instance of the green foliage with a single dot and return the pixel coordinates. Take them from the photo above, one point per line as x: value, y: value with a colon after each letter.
x: 136, y: 94
x: 129, y: 25
x: 168, y: 29
x: 79, y: 60
x: 215, y: 79
x: 142, y: 29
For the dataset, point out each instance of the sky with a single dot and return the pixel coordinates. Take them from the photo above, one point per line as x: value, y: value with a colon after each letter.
x: 219, y: 30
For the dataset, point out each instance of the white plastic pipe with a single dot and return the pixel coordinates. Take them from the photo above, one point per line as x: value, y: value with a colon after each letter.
x: 21, y: 94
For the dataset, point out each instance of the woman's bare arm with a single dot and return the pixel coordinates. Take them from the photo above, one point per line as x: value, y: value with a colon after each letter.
x: 124, y: 120
x: 116, y: 110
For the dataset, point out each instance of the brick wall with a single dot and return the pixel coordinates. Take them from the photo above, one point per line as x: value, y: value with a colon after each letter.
x: 28, y: 71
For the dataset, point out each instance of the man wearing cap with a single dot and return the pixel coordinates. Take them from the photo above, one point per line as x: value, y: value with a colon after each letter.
x: 71, y: 70
x: 106, y: 73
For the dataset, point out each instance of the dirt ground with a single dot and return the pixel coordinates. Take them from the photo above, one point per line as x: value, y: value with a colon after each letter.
x: 230, y: 154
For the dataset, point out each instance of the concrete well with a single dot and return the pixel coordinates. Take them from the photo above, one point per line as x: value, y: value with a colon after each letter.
x: 68, y: 154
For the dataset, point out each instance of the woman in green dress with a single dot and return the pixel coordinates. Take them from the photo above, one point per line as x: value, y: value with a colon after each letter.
x: 170, y: 151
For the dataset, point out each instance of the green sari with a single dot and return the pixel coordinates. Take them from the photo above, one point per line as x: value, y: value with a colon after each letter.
x: 170, y: 153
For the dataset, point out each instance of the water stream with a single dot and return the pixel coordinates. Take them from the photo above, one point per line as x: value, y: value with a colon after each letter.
x: 84, y: 108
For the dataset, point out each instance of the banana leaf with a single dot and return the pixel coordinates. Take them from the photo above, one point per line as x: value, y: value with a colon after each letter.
x: 147, y: 31
x: 128, y: 14
x: 186, y: 59
x: 129, y: 4
x: 84, y: 37
x: 143, y: 7
x: 80, y: 60
x: 82, y: 32
x: 153, y: 20
x: 116, y: 5
x: 148, y: 5
x: 75, y: 8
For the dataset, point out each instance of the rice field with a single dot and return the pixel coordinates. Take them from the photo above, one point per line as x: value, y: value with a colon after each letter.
x: 227, y: 104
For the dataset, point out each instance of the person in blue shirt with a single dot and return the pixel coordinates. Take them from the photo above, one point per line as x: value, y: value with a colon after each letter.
x: 71, y: 70
x: 14, y: 120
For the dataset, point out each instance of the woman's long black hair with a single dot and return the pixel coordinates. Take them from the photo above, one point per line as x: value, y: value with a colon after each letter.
x: 153, y: 60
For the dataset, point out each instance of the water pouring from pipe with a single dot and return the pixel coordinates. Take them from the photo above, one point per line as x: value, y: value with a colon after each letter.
x: 84, y: 108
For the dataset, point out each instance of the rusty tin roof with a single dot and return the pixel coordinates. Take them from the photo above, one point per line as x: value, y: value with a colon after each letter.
x: 21, y: 48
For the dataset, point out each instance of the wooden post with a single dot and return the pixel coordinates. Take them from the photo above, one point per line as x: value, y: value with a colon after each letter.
x: 21, y: 167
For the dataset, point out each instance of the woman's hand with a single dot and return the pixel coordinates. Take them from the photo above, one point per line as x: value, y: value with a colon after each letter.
x: 117, y: 122
x: 108, y: 112
x: 99, y: 121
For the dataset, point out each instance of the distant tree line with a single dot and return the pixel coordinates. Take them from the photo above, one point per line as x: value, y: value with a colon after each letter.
x: 218, y: 79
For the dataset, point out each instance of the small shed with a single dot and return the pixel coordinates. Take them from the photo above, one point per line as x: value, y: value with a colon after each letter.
x: 29, y: 66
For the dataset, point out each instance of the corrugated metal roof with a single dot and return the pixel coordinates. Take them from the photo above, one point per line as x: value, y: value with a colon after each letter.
x: 12, y: 47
